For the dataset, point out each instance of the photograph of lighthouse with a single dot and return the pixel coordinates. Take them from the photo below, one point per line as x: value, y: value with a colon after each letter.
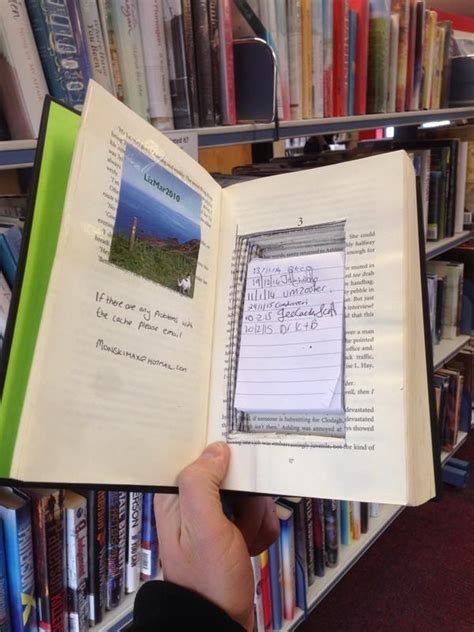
x: 157, y: 231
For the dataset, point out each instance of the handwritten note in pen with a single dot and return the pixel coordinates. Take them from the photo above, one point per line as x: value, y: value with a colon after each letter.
x: 292, y: 334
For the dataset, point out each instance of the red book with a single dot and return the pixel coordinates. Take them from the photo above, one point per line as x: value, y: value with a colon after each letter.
x: 341, y: 56
x: 411, y: 55
x: 361, y: 7
x: 266, y: 590
x: 227, y: 84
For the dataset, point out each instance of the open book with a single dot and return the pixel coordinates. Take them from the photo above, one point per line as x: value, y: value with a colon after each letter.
x: 159, y: 312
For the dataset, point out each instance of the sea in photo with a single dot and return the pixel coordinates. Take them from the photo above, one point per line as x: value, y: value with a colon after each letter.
x: 157, y: 231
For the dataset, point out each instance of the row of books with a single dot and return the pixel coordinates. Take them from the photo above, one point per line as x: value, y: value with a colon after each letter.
x: 453, y: 386
x: 445, y: 299
x: 173, y: 61
x: 67, y: 557
x: 312, y: 532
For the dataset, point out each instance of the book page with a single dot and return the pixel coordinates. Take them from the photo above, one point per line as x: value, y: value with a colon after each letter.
x: 118, y: 388
x: 370, y: 462
x: 290, y: 354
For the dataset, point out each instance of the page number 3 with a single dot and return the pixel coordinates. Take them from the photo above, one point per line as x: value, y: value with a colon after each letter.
x: 300, y: 221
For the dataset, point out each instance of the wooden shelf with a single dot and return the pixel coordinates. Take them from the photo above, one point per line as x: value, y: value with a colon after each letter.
x: 446, y: 349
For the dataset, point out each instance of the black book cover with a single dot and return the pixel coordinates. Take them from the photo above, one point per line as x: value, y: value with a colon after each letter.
x: 202, y: 45
x: 215, y: 59
x: 190, y: 56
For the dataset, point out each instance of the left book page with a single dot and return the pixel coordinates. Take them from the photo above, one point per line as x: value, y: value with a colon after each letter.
x: 118, y: 386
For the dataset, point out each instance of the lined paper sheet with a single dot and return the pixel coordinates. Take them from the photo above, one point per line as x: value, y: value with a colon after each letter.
x: 291, y: 346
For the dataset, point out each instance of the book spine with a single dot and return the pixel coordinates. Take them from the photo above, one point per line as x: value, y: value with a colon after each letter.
x: 280, y: 36
x: 215, y: 60
x: 318, y: 537
x: 308, y: 523
x: 41, y: 565
x: 110, y: 42
x: 341, y: 56
x: 179, y: 85
x: 379, y: 46
x: 438, y: 67
x: 403, y: 46
x: 95, y: 44
x: 76, y: 545
x: 4, y: 607
x: 447, y: 55
x: 200, y: 21
x: 331, y: 535
x: 352, y: 62
x: 7, y: 263
x: 276, y: 585
x: 258, y: 599
x: 156, y: 63
x: 393, y: 62
x: 294, y: 58
x: 266, y: 591
x: 80, y: 39
x: 362, y: 48
x: 226, y: 63
x: 149, y: 554
x: 306, y: 59
x: 364, y: 517
x: 356, y: 520
x: 328, y: 57
x: 58, y: 50
x: 20, y: 567
x: 134, y: 541
x: 52, y: 506
x: 318, y: 58
x: 130, y: 53
x: 97, y: 555
x: 190, y: 57
x: 428, y: 59
x: 411, y: 56
x: 374, y: 510
x: 287, y: 542
x: 418, y: 54
x: 116, y: 543
x: 24, y: 67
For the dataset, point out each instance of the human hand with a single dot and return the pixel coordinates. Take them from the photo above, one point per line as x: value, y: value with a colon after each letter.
x: 201, y: 549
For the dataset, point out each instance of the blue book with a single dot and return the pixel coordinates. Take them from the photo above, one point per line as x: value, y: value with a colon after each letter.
x: 7, y: 262
x: 149, y: 540
x: 15, y: 513
x: 4, y: 606
x: 276, y: 586
x: 13, y: 238
x: 58, y: 51
x: 455, y: 476
x: 352, y: 61
x: 345, y: 522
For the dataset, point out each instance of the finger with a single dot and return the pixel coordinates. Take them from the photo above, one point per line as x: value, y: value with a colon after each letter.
x: 167, y: 519
x: 199, y: 485
x: 258, y: 522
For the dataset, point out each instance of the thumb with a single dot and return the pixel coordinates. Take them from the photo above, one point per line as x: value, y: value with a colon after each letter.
x: 199, y: 485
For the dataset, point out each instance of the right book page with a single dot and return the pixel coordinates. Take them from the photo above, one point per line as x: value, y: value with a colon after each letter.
x: 359, y: 210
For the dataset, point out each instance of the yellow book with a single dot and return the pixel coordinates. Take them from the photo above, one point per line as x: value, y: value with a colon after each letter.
x: 431, y: 18
x: 307, y: 58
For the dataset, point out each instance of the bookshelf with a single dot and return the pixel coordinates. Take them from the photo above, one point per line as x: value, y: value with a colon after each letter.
x: 446, y: 349
x: 436, y: 248
x: 20, y: 153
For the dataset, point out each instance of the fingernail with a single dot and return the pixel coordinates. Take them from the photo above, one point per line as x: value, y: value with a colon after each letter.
x: 214, y: 451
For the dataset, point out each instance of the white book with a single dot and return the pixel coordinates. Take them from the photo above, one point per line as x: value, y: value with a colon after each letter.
x: 130, y: 54
x: 5, y: 300
x: 258, y: 599
x: 393, y: 62
x: 75, y: 510
x: 156, y: 63
x: 95, y: 42
x: 142, y: 322
x: 22, y: 79
x: 295, y: 59
x: 134, y: 532
x: 318, y: 58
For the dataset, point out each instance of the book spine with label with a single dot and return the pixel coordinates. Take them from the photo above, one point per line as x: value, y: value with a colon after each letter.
x: 134, y: 541
x: 287, y: 543
x: 156, y: 63
x: 80, y: 39
x: 130, y: 53
x: 23, y: 83
x: 379, y: 47
x: 353, y: 27
x: 393, y: 62
x: 276, y: 585
x: 341, y: 56
x: 116, y: 545
x: 202, y: 43
x: 418, y: 54
x: 226, y: 63
x: 190, y: 59
x: 306, y: 59
x: 215, y: 59
x: 361, y: 7
x: 318, y: 58
x: 402, y: 7
x: 110, y: 42
x: 294, y: 59
x: 428, y: 59
x: 52, y: 507
x: 97, y: 554
x: 149, y: 554
x: 58, y: 51
x: 266, y: 590
x: 97, y: 53
x: 20, y: 567
x: 76, y: 546
x: 308, y: 522
x: 179, y: 85
x: 331, y: 532
x: 4, y: 606
x: 318, y: 537
x: 328, y: 57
